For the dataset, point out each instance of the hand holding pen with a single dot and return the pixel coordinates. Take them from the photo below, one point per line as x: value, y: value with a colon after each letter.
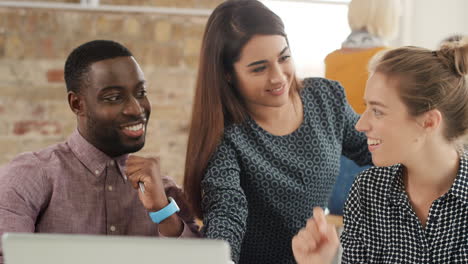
x: 144, y: 174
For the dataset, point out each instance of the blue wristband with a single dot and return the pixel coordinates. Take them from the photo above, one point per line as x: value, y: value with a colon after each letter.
x: 164, y: 213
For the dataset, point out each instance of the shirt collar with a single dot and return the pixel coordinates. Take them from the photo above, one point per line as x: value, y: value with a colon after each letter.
x: 92, y: 158
x: 397, y: 191
x: 459, y: 188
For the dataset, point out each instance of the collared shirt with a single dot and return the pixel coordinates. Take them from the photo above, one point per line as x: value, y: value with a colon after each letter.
x: 74, y: 188
x: 382, y: 227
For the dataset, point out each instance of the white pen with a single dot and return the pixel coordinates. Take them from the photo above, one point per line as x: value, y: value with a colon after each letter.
x: 142, y: 187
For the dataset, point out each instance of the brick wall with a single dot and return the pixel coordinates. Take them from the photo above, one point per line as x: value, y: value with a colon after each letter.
x: 153, y: 3
x: 34, y: 44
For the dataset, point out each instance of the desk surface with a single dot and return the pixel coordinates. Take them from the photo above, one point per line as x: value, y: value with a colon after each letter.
x: 336, y: 220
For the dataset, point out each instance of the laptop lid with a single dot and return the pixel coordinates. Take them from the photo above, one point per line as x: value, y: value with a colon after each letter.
x: 26, y: 248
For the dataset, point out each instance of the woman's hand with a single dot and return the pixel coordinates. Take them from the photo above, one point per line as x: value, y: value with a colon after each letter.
x: 317, y: 242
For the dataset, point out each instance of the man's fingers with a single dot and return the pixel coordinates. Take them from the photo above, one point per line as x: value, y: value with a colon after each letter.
x: 136, y: 177
x: 129, y: 170
x: 132, y: 159
x: 135, y: 163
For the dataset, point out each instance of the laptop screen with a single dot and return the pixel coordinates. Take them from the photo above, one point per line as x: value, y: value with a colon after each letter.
x: 22, y: 248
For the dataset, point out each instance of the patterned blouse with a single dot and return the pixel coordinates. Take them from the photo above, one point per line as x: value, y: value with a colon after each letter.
x: 259, y: 189
x: 382, y: 227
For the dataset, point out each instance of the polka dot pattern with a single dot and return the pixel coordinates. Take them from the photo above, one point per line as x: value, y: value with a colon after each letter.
x: 382, y: 227
x: 260, y: 189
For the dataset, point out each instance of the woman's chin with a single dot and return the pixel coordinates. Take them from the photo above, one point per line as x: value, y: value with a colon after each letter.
x: 379, y: 162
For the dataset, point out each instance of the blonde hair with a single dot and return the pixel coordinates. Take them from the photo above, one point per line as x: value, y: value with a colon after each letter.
x: 378, y: 17
x: 431, y: 80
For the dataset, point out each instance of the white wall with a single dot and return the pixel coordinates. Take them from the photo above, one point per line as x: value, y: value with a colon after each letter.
x: 427, y: 22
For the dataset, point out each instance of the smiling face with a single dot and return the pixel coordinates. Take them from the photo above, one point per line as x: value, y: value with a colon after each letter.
x: 265, y: 71
x: 114, y: 108
x: 392, y: 134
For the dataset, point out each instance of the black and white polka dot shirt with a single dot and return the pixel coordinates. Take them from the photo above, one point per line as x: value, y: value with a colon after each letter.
x: 259, y: 189
x: 381, y: 226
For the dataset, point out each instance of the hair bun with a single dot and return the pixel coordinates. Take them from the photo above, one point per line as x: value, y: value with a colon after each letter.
x: 456, y: 55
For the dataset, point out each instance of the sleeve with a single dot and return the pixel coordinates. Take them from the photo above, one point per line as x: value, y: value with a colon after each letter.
x: 224, y: 203
x: 24, y: 194
x: 191, y: 229
x: 354, y: 142
x: 354, y: 249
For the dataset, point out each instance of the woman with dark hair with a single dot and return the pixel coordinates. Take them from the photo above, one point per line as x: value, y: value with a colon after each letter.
x: 263, y: 147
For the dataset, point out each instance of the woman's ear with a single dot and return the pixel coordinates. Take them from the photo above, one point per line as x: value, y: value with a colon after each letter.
x: 76, y: 103
x: 432, y: 120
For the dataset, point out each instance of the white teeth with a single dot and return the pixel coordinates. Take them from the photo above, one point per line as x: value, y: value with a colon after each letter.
x: 276, y: 89
x: 134, y: 127
x: 373, y: 141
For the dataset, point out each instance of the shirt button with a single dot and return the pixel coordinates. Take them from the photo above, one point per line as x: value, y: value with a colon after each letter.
x: 112, y: 228
x: 111, y: 163
x: 110, y: 188
x: 96, y: 172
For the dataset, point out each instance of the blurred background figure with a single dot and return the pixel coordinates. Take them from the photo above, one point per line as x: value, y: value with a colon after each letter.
x: 450, y: 39
x: 373, y: 24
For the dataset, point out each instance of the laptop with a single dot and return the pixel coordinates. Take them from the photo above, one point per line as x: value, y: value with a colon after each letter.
x: 27, y: 248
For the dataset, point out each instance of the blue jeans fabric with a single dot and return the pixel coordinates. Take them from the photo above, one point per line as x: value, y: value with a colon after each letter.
x: 348, y: 172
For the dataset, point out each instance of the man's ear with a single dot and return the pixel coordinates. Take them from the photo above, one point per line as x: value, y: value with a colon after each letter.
x: 76, y: 103
x: 432, y: 120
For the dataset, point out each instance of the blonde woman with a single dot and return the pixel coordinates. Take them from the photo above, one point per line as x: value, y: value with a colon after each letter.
x: 412, y: 208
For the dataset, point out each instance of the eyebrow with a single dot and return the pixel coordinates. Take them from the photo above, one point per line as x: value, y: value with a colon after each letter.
x: 377, y: 103
x: 117, y: 87
x: 264, y: 61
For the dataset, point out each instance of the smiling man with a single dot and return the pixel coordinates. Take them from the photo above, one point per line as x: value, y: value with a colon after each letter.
x: 89, y: 184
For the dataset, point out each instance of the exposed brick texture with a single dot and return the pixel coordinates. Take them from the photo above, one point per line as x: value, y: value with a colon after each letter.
x: 55, y: 75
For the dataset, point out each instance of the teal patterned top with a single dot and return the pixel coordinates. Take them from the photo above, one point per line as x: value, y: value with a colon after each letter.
x: 259, y: 189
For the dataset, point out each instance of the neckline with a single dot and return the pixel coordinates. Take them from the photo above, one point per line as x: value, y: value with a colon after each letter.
x: 304, y: 121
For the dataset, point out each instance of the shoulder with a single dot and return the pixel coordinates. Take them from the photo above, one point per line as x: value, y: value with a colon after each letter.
x: 323, y: 96
x: 225, y: 154
x: 30, y: 165
x: 24, y: 162
x: 241, y: 135
x: 322, y: 87
x: 24, y: 172
x: 376, y: 179
x: 370, y: 192
x: 234, y: 130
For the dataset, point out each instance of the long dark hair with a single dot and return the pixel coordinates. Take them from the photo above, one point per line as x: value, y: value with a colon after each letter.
x: 217, y: 102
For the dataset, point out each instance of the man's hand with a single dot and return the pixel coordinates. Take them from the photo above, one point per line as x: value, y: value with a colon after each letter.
x: 317, y: 242
x: 147, y: 171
